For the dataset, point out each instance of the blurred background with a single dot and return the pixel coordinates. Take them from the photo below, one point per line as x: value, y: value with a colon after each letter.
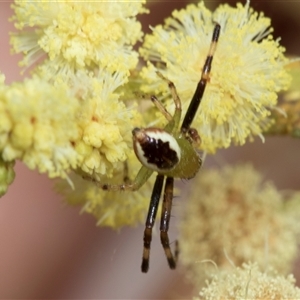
x: 50, y: 250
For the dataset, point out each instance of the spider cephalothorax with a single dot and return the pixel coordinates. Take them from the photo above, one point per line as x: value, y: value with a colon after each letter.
x: 172, y: 153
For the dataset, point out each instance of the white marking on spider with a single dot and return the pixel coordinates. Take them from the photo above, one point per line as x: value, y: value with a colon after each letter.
x: 156, y: 149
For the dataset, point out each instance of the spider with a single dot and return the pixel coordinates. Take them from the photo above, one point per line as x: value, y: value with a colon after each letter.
x: 172, y: 153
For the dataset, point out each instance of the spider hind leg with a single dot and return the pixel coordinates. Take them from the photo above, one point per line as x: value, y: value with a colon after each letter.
x: 153, y: 206
x: 165, y: 220
x: 164, y: 224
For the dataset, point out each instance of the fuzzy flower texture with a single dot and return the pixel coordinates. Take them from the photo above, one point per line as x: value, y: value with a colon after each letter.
x: 69, y: 116
x: 77, y: 35
x: 235, y: 217
x: 37, y: 126
x: 78, y: 122
x: 247, y: 70
x: 250, y: 282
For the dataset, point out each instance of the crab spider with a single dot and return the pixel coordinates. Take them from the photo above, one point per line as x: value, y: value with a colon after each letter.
x: 172, y: 153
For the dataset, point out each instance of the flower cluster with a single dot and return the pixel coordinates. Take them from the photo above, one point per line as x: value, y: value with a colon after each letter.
x: 247, y: 70
x: 38, y: 126
x: 249, y: 282
x: 234, y: 217
x: 105, y: 123
x: 70, y: 116
x: 77, y: 36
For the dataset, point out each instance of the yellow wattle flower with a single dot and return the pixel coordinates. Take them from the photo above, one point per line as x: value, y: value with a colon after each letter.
x: 104, y: 121
x: 77, y: 35
x: 38, y: 126
x: 247, y: 70
x: 249, y: 282
x: 232, y: 216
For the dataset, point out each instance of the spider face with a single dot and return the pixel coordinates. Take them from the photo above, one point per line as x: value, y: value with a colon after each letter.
x: 171, y: 152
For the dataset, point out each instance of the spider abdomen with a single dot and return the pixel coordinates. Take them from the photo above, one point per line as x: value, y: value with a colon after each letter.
x: 156, y: 149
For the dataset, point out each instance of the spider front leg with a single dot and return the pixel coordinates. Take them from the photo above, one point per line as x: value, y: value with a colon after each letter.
x: 198, y: 95
x: 161, y: 108
x: 175, y: 119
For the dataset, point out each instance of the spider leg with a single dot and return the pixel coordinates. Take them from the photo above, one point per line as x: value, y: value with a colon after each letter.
x: 173, y: 121
x: 142, y: 176
x: 195, y: 102
x: 161, y: 108
x: 156, y: 193
x: 172, y: 90
x: 126, y: 179
x: 165, y: 220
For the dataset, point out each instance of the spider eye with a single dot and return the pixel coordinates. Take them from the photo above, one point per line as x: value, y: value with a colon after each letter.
x: 156, y: 149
